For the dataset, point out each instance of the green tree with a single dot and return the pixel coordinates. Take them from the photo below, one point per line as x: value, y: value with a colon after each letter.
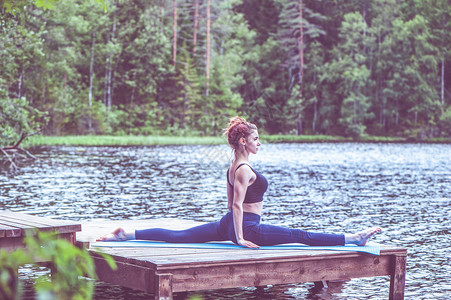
x: 315, y: 58
x: 387, y: 67
x: 438, y: 17
x: 351, y: 75
x: 17, y: 117
x: 414, y: 76
x: 262, y: 17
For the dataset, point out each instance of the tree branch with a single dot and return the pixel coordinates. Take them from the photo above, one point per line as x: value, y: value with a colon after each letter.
x: 12, y: 166
x: 22, y: 137
x: 15, y: 149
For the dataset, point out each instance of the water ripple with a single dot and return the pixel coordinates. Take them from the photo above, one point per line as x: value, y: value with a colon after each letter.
x: 406, y: 189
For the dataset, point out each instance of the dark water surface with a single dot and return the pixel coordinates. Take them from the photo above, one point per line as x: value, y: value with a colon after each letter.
x: 405, y: 188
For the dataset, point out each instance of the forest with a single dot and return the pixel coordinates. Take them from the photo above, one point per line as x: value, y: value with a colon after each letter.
x: 183, y: 67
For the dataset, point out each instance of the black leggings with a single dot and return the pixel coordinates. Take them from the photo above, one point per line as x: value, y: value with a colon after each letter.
x: 253, y: 230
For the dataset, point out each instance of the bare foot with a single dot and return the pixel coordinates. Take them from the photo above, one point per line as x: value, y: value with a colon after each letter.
x: 362, y: 237
x: 117, y: 235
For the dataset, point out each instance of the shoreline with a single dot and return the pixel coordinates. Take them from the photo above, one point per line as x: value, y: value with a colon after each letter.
x: 106, y: 140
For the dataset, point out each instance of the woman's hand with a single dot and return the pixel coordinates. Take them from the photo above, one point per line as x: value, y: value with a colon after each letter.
x: 247, y: 244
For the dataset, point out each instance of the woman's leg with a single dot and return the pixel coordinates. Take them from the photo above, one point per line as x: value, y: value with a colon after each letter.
x: 198, y: 234
x: 269, y: 235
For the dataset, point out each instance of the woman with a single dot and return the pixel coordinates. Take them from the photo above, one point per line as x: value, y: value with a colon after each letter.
x: 241, y: 225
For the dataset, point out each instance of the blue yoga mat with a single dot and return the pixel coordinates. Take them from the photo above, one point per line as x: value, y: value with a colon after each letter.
x: 370, y: 248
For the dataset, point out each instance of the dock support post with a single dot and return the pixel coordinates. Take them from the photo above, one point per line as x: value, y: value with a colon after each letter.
x: 12, y: 283
x: 163, y: 286
x: 398, y: 277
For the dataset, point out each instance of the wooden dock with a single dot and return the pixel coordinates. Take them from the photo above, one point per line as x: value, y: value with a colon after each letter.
x: 14, y: 226
x: 164, y: 271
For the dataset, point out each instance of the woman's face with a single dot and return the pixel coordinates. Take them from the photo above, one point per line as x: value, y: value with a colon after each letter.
x: 252, y: 142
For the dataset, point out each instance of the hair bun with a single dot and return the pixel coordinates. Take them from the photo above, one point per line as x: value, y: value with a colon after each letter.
x: 236, y: 121
x: 238, y: 128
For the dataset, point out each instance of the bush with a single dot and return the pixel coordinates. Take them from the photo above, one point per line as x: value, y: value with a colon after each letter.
x: 9, y: 265
x: 17, y: 117
x: 66, y: 261
x: 355, y: 131
x: 445, y: 122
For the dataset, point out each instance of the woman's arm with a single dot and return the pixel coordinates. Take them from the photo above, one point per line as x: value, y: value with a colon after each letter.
x: 229, y: 196
x: 242, y: 178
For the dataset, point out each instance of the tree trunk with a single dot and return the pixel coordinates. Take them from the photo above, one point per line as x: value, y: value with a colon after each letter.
x: 110, y: 68
x: 207, y: 62
x: 162, y: 15
x: 105, y: 85
x: 301, y: 43
x: 132, y: 98
x: 196, y: 24
x: 382, y: 116
x: 91, y: 75
x: 442, y: 88
x: 315, y: 105
x: 19, y: 92
x: 397, y: 113
x: 356, y: 116
x: 109, y: 100
x: 44, y: 98
x: 315, y: 115
x: 442, y: 91
x: 300, y: 129
x: 174, y: 33
x: 301, y: 62
x: 364, y: 12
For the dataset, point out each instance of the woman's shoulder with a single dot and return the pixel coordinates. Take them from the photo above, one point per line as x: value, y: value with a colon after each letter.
x: 243, y: 164
x: 244, y: 171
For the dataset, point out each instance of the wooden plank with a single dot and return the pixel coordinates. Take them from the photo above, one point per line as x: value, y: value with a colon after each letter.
x: 188, y: 261
x: 230, y: 259
x: 398, y: 277
x: 127, y: 275
x: 20, y: 220
x: 163, y: 286
x: 143, y: 253
x: 36, y: 219
x: 243, y: 256
x: 15, y: 226
x: 209, y: 258
x: 11, y: 244
x: 69, y: 236
x: 25, y: 218
x: 8, y: 231
x: 17, y: 229
x: 259, y: 274
x: 7, y: 220
x: 145, y: 256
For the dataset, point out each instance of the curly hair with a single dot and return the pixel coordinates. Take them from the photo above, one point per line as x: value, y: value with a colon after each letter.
x: 238, y: 128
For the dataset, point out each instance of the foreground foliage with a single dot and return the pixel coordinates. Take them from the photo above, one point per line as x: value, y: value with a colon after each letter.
x: 67, y: 262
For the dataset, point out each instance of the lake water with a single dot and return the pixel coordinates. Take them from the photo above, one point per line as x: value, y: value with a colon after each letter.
x: 404, y: 188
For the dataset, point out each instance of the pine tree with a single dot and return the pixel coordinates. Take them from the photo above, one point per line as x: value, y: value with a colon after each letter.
x: 349, y: 67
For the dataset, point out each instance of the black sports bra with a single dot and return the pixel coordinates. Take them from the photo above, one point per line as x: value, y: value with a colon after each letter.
x: 256, y: 190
